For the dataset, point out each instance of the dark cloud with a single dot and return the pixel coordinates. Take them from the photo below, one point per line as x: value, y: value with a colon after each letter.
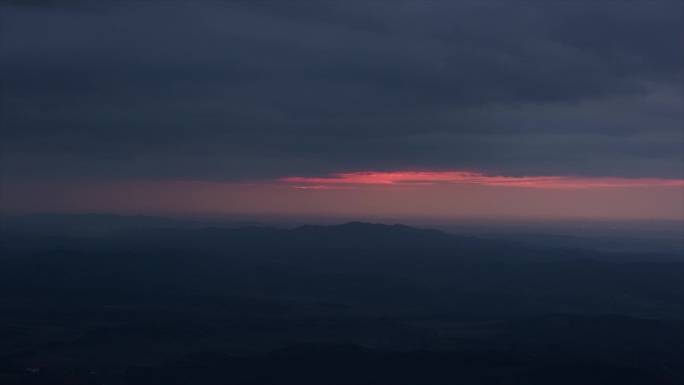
x: 240, y: 90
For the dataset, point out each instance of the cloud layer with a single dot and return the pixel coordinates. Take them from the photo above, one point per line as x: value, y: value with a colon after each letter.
x: 232, y: 91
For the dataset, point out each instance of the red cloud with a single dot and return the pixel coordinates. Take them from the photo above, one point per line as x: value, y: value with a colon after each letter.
x: 409, y: 178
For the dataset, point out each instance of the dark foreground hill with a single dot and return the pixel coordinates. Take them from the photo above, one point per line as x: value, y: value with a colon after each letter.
x: 355, y: 303
x: 349, y: 364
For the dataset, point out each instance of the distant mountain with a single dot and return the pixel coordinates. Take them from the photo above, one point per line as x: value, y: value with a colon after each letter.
x: 36, y: 228
x: 361, y: 237
x: 366, y: 235
x: 325, y: 242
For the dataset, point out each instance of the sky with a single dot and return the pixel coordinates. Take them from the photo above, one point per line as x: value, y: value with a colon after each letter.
x: 400, y: 108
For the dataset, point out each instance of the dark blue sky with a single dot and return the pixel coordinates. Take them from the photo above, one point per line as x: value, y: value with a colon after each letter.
x: 232, y: 91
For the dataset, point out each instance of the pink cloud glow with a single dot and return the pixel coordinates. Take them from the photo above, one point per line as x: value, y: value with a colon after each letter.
x: 412, y: 178
x: 361, y: 195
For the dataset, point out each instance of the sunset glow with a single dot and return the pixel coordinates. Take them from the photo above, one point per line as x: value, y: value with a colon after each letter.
x: 412, y: 178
